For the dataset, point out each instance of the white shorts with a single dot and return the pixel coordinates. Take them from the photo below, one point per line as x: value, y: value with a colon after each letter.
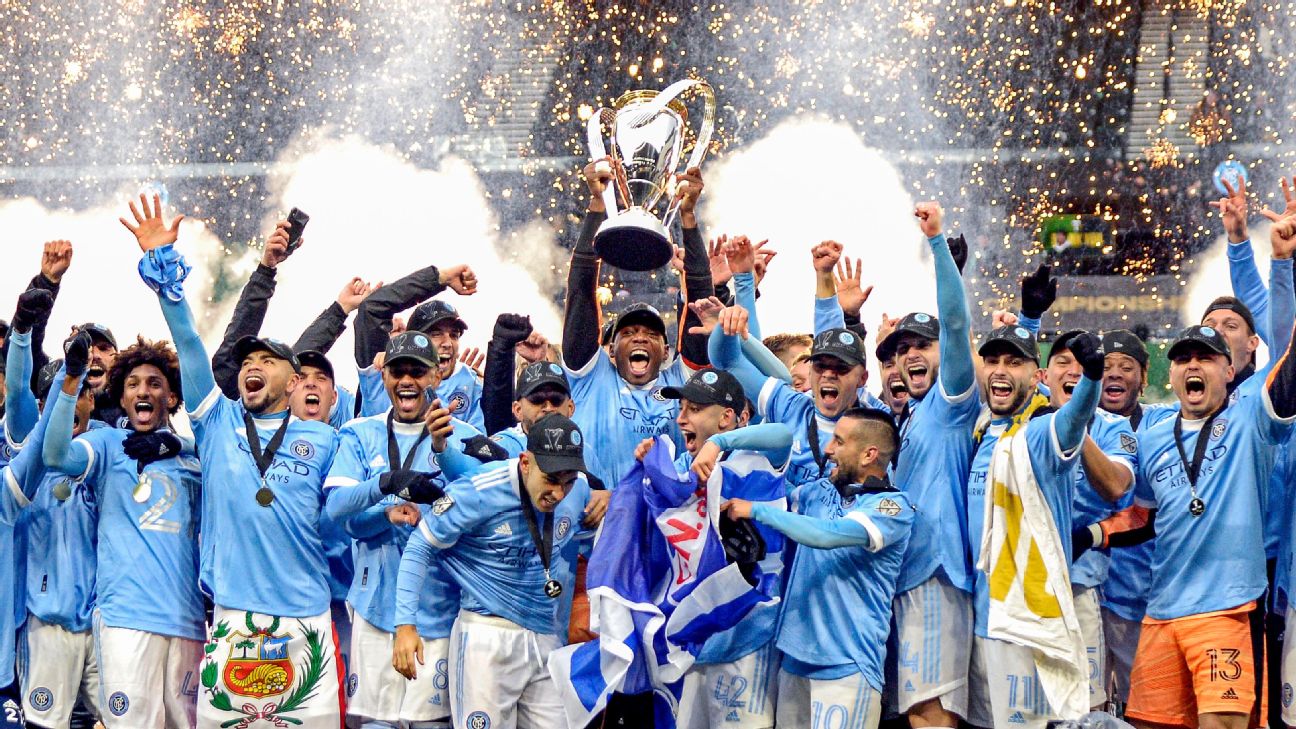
x: 1004, y: 689
x: 840, y: 703
x: 145, y: 679
x: 1089, y: 612
x: 56, y: 667
x: 932, y: 646
x: 736, y: 695
x: 378, y: 692
x: 499, y: 677
x: 262, y: 669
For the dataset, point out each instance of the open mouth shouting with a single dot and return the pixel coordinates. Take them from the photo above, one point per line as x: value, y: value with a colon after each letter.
x: 144, y: 411
x: 897, y: 387
x: 445, y: 362
x: 95, y: 373
x: 1069, y: 386
x: 254, y: 382
x: 829, y: 395
x: 917, y: 373
x: 1001, y: 391
x: 639, y: 361
x: 690, y: 440
x: 1114, y: 393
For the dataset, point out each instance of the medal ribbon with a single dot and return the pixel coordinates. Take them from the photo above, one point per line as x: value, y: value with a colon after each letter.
x: 393, y: 448
x: 543, y: 546
x: 264, y: 459
x: 1193, y: 468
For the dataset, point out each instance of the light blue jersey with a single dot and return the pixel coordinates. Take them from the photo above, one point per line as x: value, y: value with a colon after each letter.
x: 615, y: 416
x: 1116, y: 440
x: 779, y: 403
x: 12, y: 502
x: 280, y: 542
x: 344, y: 409
x: 148, y: 538
x: 1054, y: 471
x: 485, y: 544
x: 935, y: 450
x: 62, y: 538
x: 837, y: 605
x: 361, y: 460
x: 460, y: 393
x: 1191, y: 574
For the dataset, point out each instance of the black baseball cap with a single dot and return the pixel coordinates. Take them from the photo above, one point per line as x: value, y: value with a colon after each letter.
x: 557, y: 444
x: 1233, y: 304
x: 1017, y: 339
x: 918, y: 323
x: 540, y: 374
x: 1201, y: 336
x: 1063, y: 343
x: 45, y: 377
x: 843, y: 344
x: 249, y: 344
x: 413, y: 345
x: 643, y: 313
x: 313, y: 358
x: 101, y: 333
x: 429, y: 313
x: 709, y: 387
x: 1123, y: 341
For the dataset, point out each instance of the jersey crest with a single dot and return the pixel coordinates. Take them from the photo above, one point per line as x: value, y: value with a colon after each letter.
x: 458, y: 402
x: 1128, y: 443
x: 1217, y: 429
x: 442, y: 505
x: 303, y: 449
x: 562, y: 527
x: 888, y: 507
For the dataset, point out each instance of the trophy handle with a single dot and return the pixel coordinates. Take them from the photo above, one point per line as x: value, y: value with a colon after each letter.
x: 594, y: 139
x: 705, y: 129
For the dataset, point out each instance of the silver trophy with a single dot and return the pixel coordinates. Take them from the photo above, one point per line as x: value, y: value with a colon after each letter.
x: 646, y: 130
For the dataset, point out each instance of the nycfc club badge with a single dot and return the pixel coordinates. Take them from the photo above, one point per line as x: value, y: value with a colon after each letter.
x: 1196, y: 507
x: 265, y: 496
x: 553, y: 588
x: 143, y: 488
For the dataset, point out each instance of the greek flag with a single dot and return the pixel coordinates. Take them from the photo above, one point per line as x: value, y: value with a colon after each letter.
x: 659, y: 586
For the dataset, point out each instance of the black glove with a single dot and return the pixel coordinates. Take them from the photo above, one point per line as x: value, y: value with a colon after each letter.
x: 149, y: 447
x: 33, y: 305
x: 1038, y: 292
x: 1082, y: 540
x: 743, y: 544
x: 414, y: 486
x: 959, y: 250
x: 511, y: 329
x: 76, y: 354
x: 1088, y: 351
x: 484, y: 449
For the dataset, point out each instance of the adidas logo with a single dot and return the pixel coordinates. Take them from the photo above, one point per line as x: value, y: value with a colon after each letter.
x: 1017, y: 718
x: 731, y: 716
x: 1230, y: 694
x: 909, y: 686
x: 504, y: 530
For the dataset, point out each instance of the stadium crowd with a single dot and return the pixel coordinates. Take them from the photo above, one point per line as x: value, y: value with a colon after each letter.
x: 739, y: 530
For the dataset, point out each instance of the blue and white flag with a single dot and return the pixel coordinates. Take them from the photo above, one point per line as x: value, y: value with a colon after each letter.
x: 659, y: 586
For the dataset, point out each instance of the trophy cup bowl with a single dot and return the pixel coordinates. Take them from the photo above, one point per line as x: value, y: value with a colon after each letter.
x: 646, y: 131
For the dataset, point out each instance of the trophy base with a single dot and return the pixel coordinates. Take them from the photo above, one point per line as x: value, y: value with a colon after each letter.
x: 634, y: 240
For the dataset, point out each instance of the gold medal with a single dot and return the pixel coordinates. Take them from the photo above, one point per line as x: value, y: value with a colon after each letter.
x: 143, y: 488
x: 62, y: 490
x: 264, y: 496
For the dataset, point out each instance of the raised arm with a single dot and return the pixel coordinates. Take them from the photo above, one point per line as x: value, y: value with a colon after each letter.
x: 827, y: 309
x: 957, y: 374
x: 581, y: 315
x: 20, y: 404
x: 813, y: 532
x: 1282, y: 380
x: 164, y: 270
x: 56, y: 450
x: 249, y: 312
x: 726, y: 350
x: 1243, y: 274
x: 56, y: 259
x: 497, y: 382
x: 1282, y: 300
x: 1072, y: 420
x: 772, y: 440
x: 374, y: 317
x: 697, y: 270
x: 323, y: 333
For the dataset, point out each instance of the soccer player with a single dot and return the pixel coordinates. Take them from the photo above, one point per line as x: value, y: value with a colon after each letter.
x: 836, y: 375
x: 460, y: 389
x: 743, y: 657
x: 618, y: 395
x: 262, y: 557
x: 60, y: 532
x: 933, y: 607
x: 1003, y: 680
x: 149, y: 618
x: 852, y: 529
x: 1108, y: 460
x: 386, y: 465
x: 893, y: 393
x: 501, y: 535
x: 788, y: 347
x: 1205, y: 471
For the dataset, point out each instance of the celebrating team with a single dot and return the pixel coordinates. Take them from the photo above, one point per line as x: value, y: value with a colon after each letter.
x: 991, y: 539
